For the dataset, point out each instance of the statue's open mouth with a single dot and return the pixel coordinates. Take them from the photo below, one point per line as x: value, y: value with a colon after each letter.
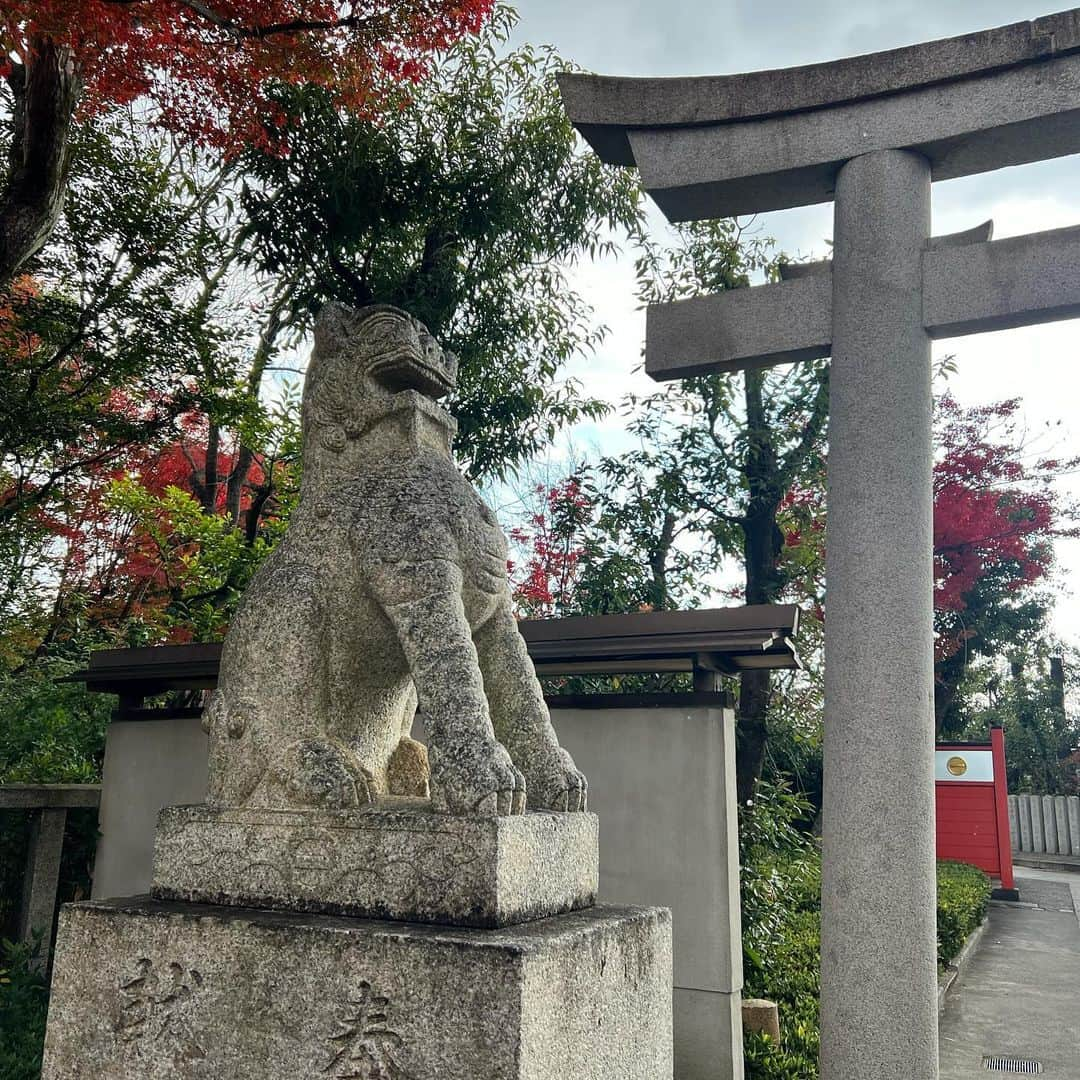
x: 405, y: 370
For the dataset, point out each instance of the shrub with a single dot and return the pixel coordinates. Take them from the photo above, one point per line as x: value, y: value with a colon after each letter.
x: 24, y: 1003
x: 780, y: 867
x: 50, y: 733
x: 963, y: 896
x: 782, y: 947
x: 790, y: 975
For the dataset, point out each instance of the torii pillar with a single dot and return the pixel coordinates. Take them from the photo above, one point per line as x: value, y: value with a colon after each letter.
x: 869, y: 133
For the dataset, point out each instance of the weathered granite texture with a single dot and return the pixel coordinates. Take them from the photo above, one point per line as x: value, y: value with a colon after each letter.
x: 604, y: 107
x: 970, y: 285
x: 156, y: 991
x: 392, y: 576
x: 403, y: 863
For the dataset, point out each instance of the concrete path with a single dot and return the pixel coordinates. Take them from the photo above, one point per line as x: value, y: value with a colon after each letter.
x: 1020, y: 995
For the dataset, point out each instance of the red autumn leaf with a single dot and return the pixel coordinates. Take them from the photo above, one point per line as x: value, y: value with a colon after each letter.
x: 205, y: 66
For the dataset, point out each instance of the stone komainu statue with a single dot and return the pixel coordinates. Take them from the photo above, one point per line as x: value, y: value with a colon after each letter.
x: 390, y: 585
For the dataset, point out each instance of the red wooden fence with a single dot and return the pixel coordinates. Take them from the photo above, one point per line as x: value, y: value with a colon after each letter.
x: 972, y: 806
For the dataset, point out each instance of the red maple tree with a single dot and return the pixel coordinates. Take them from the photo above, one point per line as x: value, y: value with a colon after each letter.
x: 129, y: 532
x: 995, y: 507
x: 203, y: 67
x: 543, y: 585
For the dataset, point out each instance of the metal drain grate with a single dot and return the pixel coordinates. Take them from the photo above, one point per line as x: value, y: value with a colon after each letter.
x: 1012, y: 1065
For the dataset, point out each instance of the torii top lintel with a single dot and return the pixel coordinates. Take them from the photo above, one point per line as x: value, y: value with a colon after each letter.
x: 717, y: 146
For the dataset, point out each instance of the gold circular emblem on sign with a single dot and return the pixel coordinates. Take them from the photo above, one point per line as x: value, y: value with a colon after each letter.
x: 957, y: 766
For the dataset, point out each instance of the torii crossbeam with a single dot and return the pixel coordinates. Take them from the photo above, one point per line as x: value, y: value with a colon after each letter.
x: 870, y: 133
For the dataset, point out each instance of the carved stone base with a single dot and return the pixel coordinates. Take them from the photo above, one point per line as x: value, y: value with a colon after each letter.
x: 149, y: 990
x: 387, y: 862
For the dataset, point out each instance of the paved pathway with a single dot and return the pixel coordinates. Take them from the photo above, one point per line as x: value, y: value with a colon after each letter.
x: 1020, y: 995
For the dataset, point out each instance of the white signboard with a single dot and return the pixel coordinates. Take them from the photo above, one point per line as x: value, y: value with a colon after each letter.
x: 963, y: 764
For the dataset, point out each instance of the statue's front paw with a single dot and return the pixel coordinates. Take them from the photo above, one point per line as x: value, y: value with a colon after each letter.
x: 317, y: 773
x: 475, y: 777
x: 555, y: 782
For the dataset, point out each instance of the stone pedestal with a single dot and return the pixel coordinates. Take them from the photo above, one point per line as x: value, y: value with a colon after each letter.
x: 155, y: 990
x: 396, y: 860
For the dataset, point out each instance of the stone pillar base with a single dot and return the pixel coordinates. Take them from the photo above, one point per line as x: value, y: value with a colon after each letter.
x: 708, y: 1035
x: 149, y: 990
x: 399, y: 860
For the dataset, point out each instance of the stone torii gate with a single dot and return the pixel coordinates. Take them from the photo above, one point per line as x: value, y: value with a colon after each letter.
x: 870, y: 133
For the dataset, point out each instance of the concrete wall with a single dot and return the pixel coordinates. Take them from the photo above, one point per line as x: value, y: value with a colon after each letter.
x: 661, y: 779
x: 148, y: 764
x: 1045, y: 824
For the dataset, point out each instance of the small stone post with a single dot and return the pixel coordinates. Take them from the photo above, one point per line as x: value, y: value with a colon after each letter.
x: 1038, y: 836
x: 1025, y: 822
x: 878, y: 921
x: 1049, y: 825
x: 42, y: 875
x: 761, y: 1015
x: 1074, y: 824
x: 1061, y: 823
x: 1014, y: 822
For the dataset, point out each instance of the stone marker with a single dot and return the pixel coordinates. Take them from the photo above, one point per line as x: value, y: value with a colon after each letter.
x: 1025, y: 823
x: 44, y: 848
x: 870, y: 133
x: 1050, y: 832
x: 250, y: 961
x: 761, y: 1015
x: 1061, y: 823
x: 1038, y: 835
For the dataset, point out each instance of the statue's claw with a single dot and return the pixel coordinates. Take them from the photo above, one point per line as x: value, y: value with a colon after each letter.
x: 556, y: 783
x: 477, y: 777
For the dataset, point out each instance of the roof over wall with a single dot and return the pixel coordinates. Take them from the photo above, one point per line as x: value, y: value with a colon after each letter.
x: 716, y: 639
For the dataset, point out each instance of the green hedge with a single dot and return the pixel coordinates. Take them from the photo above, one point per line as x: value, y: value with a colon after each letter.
x: 786, y: 969
x: 963, y: 895
x: 791, y: 977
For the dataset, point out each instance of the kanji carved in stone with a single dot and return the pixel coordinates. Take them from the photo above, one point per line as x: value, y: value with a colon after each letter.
x: 389, y: 585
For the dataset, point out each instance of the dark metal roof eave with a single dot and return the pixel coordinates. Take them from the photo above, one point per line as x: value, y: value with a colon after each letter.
x: 726, y: 639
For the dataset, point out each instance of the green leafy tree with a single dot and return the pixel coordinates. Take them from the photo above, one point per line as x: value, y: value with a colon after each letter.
x: 1031, y: 695
x: 643, y: 555
x: 738, y: 446
x: 603, y: 540
x: 465, y: 207
x: 130, y: 328
x: 99, y: 348
x: 164, y: 299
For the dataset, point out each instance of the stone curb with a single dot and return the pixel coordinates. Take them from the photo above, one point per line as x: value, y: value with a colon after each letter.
x: 1069, y: 864
x: 947, y: 980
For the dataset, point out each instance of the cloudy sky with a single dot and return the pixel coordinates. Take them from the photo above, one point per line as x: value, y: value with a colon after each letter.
x: 698, y: 37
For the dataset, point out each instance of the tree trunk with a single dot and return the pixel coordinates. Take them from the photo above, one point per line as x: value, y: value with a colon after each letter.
x: 762, y: 544
x: 658, y: 563
x: 45, y: 91
x: 276, y: 320
x: 752, y: 732
x: 948, y: 674
x: 210, y: 472
x: 234, y: 489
